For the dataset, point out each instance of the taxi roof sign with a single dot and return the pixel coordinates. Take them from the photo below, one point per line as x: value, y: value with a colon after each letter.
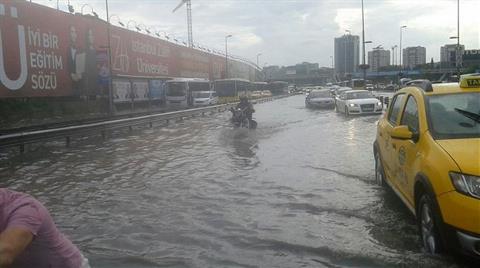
x: 470, y: 80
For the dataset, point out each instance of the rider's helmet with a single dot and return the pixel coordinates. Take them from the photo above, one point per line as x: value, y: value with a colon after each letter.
x: 243, y: 98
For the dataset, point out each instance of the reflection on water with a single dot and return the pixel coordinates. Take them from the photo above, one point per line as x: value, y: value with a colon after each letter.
x: 297, y: 191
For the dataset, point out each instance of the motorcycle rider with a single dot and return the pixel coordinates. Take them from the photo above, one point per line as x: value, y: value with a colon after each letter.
x: 245, y: 105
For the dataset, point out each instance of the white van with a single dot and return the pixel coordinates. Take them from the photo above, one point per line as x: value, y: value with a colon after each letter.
x: 204, y: 98
x: 179, y: 91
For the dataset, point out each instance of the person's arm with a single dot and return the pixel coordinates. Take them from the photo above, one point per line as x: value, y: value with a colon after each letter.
x: 13, y: 242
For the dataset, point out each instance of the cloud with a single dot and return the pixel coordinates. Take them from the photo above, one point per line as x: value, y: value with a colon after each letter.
x: 287, y: 32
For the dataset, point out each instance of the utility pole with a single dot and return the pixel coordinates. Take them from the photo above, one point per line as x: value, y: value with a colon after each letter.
x: 226, y: 55
x: 400, y: 52
x: 189, y: 19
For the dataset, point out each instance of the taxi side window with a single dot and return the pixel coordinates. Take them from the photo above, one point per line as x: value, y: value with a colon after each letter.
x: 395, y: 109
x: 410, y: 115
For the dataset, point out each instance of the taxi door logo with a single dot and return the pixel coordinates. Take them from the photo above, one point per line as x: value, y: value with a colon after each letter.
x: 22, y: 78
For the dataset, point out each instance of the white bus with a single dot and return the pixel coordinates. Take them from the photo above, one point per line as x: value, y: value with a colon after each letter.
x: 178, y: 91
x: 230, y: 89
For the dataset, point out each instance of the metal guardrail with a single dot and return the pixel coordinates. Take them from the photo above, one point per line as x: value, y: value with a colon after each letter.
x: 22, y: 138
x: 27, y: 137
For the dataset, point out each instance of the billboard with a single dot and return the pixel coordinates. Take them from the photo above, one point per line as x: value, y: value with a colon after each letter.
x: 45, y: 52
x: 471, y: 54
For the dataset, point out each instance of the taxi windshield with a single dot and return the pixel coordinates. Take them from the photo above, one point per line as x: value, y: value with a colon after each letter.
x: 454, y: 115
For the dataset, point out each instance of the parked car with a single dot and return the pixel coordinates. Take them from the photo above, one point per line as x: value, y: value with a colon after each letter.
x: 256, y: 94
x: 391, y: 87
x: 320, y: 99
x: 380, y: 86
x: 358, y: 102
x: 204, y: 98
x: 340, y: 90
x: 369, y: 87
x: 427, y: 149
x: 266, y: 93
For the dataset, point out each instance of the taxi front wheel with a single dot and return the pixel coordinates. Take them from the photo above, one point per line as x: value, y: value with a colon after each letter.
x: 428, y: 225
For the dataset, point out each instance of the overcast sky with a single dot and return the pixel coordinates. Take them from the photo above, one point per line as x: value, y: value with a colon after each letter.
x: 287, y: 32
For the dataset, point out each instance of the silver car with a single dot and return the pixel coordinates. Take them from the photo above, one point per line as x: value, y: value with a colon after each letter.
x: 320, y: 99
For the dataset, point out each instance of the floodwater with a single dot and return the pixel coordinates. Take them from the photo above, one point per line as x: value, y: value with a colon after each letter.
x: 298, y: 191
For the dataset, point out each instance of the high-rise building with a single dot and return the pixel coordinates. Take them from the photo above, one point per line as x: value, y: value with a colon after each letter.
x: 378, y: 58
x: 413, y: 56
x: 448, y: 55
x: 347, y: 52
x: 305, y: 68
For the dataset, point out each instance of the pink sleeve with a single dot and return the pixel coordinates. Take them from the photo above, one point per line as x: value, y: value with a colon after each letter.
x: 27, y: 216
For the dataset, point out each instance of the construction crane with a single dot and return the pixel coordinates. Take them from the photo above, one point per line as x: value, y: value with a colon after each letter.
x: 189, y: 19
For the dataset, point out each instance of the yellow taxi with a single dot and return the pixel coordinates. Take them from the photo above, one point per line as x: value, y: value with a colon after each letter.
x: 427, y: 149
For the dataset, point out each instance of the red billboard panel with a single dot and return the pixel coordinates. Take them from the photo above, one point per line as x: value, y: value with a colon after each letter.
x: 45, y: 52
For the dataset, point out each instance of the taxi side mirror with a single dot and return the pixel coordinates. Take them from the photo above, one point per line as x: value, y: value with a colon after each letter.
x: 401, y: 133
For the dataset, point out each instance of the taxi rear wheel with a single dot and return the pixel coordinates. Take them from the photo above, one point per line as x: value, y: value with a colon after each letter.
x: 379, y: 172
x: 428, y: 225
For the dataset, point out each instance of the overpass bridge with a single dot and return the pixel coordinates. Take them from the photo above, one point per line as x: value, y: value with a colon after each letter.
x: 326, y: 77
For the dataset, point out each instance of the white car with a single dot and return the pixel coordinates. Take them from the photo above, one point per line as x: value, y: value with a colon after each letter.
x: 358, y: 102
x: 320, y: 99
x: 204, y: 98
x: 256, y: 94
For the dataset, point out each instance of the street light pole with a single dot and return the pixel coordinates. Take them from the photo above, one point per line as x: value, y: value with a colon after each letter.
x: 364, y: 67
x: 345, y: 54
x: 91, y: 9
x: 226, y: 55
x: 394, y: 62
x: 333, y: 69
x: 109, y: 54
x: 457, y: 59
x: 128, y: 23
x: 400, y: 52
x: 119, y: 21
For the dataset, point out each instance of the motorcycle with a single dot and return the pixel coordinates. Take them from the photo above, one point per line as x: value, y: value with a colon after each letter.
x: 240, y: 118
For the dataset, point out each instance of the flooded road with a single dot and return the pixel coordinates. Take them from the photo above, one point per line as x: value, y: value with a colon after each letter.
x: 298, y: 191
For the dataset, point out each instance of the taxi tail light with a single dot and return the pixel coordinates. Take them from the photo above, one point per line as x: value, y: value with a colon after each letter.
x: 466, y: 184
